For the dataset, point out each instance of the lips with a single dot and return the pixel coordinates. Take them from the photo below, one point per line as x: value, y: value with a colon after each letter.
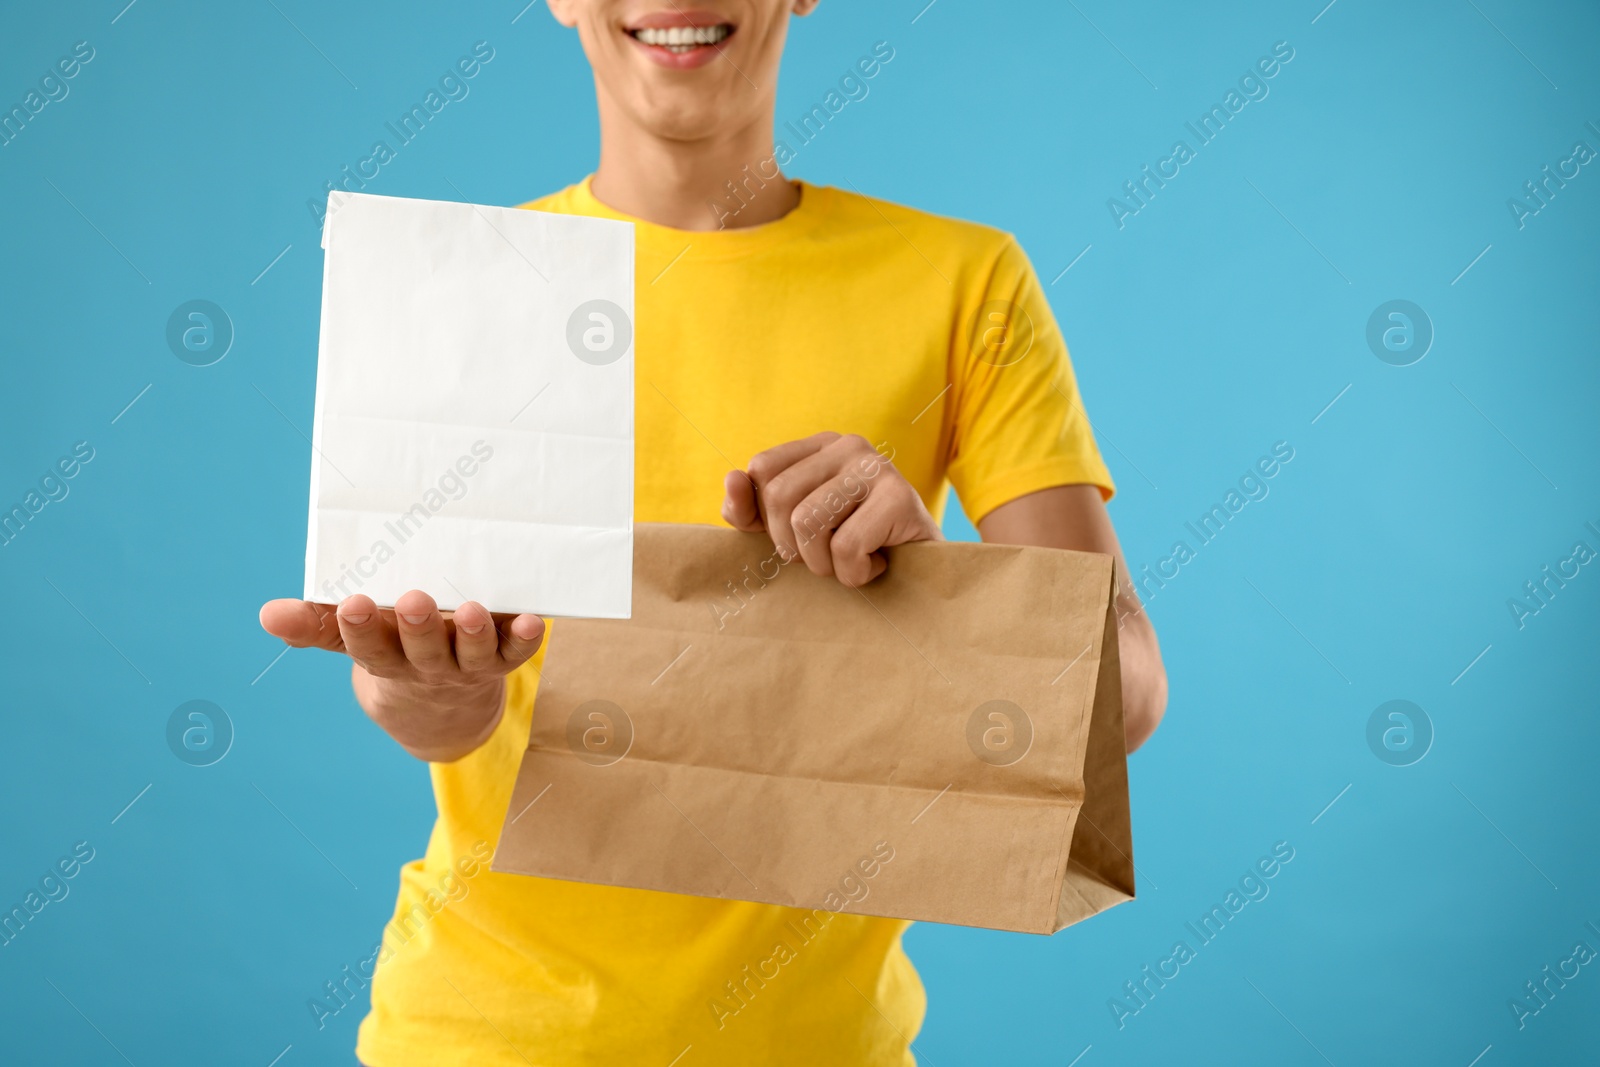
x: 680, y: 40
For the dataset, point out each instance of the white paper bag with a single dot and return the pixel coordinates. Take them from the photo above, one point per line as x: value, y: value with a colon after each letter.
x: 473, y: 433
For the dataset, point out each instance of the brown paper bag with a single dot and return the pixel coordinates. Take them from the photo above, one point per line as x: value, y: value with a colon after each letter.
x: 944, y: 744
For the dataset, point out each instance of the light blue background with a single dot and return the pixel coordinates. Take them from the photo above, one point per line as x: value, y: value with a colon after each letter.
x: 1209, y: 328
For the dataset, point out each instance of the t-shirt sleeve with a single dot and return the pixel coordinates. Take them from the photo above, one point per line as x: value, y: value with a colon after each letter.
x: 1019, y: 423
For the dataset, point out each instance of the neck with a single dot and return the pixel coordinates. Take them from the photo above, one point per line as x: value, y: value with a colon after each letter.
x: 684, y: 184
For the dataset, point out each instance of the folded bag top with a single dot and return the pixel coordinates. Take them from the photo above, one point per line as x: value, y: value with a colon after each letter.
x: 754, y: 731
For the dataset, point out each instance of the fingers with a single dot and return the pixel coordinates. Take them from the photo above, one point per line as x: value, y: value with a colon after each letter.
x: 854, y: 547
x: 767, y: 467
x: 783, y: 494
x: 413, y: 640
x: 477, y: 641
x: 804, y: 503
x: 836, y: 502
x: 774, y: 461
x: 739, y: 508
x: 301, y: 624
x: 519, y: 639
x: 821, y: 513
x: 494, y: 644
x: 369, y: 638
x: 423, y: 635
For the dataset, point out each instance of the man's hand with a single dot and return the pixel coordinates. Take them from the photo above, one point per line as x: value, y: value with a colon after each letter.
x: 436, y: 685
x: 831, y: 499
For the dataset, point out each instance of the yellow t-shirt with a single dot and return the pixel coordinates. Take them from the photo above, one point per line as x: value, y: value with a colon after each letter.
x: 931, y: 338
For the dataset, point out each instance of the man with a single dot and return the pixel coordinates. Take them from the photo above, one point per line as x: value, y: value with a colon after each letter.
x: 807, y: 327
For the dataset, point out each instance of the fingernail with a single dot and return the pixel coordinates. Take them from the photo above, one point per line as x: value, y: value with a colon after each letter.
x: 355, y: 620
x: 464, y: 628
x: 415, y: 620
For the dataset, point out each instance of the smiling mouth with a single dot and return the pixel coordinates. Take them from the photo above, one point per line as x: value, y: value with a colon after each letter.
x: 682, y: 40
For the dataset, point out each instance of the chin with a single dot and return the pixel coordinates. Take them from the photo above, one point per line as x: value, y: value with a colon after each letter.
x: 680, y: 124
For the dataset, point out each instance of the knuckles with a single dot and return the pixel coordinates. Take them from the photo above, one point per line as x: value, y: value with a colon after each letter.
x: 856, y: 469
x: 847, y: 547
x: 852, y: 443
x: 762, y: 469
x: 781, y: 493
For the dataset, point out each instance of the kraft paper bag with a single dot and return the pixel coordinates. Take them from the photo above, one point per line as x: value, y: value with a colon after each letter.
x: 473, y: 434
x: 944, y: 744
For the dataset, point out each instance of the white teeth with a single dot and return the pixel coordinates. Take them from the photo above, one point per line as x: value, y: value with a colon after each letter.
x: 681, y: 39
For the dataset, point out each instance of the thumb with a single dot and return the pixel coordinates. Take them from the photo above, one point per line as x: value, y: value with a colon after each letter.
x: 739, y: 508
x: 302, y: 624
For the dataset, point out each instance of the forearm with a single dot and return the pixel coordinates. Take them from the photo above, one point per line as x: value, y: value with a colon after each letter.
x: 1074, y: 517
x: 1144, y: 678
x: 437, y: 724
